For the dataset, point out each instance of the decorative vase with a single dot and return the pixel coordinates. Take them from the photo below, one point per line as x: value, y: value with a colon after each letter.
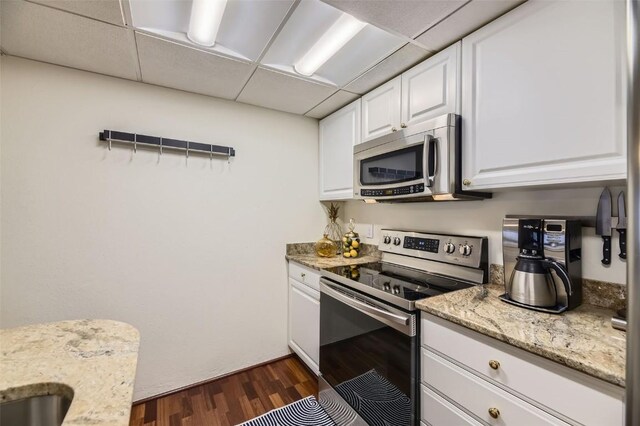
x: 351, y: 242
x: 325, y: 247
x: 333, y: 230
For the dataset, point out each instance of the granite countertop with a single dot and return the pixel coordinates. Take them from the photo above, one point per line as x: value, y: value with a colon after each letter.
x: 304, y: 253
x: 319, y: 263
x: 94, y: 361
x: 582, y: 339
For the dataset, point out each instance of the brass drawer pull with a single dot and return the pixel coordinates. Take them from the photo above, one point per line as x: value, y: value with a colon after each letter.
x: 494, y: 364
x: 303, y: 274
x: 494, y: 412
x: 466, y: 182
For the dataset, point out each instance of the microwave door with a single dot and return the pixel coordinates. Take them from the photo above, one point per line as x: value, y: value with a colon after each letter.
x: 400, y: 163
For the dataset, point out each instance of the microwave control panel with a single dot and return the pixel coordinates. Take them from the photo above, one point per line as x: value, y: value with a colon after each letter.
x: 390, y: 192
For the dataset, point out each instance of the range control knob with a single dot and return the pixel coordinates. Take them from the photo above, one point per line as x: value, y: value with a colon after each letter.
x: 396, y: 241
x: 396, y: 289
x: 465, y: 250
x: 386, y: 286
x: 449, y: 248
x: 386, y: 239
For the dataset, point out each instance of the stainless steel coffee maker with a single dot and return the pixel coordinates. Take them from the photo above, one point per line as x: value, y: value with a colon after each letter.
x: 542, y: 263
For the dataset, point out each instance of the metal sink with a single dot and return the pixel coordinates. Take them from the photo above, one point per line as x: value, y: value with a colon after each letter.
x: 45, y: 410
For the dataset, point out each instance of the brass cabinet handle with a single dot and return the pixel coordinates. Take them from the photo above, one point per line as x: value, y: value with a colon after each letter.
x: 466, y: 182
x: 494, y: 412
x: 404, y: 126
x: 393, y: 129
x: 494, y: 364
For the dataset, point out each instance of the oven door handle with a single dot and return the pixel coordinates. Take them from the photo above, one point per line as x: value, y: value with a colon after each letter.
x: 400, y: 322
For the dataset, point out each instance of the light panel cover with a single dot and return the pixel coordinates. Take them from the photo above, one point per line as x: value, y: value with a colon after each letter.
x: 246, y: 28
x: 307, y: 24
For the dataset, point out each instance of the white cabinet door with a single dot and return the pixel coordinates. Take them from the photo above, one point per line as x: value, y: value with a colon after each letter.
x: 430, y: 89
x: 339, y: 132
x: 543, y: 96
x: 381, y: 110
x: 304, y: 323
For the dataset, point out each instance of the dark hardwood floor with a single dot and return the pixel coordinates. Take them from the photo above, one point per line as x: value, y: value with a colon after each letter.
x: 230, y: 400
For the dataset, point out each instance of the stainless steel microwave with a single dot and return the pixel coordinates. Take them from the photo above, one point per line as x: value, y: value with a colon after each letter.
x: 419, y: 163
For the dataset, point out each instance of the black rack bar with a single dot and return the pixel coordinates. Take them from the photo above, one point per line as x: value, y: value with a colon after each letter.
x: 156, y: 141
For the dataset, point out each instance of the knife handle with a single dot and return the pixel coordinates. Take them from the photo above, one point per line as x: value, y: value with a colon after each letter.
x: 606, y: 249
x: 623, y: 243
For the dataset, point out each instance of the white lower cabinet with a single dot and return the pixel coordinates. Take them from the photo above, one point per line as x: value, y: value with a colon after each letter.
x: 439, y: 411
x: 465, y: 373
x: 304, y: 318
x: 479, y: 397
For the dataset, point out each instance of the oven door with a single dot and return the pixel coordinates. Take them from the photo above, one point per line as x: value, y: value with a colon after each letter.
x: 369, y: 356
x: 401, y: 168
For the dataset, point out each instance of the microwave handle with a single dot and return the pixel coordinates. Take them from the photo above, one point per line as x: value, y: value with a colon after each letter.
x: 432, y: 159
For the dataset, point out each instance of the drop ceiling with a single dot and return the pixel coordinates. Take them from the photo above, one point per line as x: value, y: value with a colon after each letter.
x: 256, y: 47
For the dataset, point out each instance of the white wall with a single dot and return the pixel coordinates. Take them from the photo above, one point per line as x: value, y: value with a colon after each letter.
x: 191, y: 253
x: 484, y: 218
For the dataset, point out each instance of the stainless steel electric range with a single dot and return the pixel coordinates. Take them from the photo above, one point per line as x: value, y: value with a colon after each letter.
x: 369, y: 327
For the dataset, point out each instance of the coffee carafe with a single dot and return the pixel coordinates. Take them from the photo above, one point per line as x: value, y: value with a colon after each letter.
x: 539, y: 281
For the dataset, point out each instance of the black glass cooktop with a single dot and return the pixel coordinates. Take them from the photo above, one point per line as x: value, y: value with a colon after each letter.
x: 392, y: 281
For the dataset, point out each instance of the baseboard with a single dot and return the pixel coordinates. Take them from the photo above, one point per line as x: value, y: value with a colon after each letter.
x: 213, y: 379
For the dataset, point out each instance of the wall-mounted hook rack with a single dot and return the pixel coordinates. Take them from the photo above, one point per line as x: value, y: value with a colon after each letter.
x: 161, y: 143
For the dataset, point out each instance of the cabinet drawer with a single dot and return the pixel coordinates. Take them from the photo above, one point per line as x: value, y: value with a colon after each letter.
x: 437, y: 411
x: 479, y: 396
x: 567, y: 392
x: 305, y: 275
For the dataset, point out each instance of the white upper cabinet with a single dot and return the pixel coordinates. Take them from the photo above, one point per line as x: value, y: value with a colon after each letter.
x: 339, y: 132
x: 431, y: 88
x: 425, y: 91
x: 381, y: 110
x: 543, y: 96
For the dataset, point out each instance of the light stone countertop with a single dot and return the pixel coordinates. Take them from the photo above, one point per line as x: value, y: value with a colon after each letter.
x: 319, y: 263
x: 92, y: 360
x: 582, y: 339
x: 304, y: 253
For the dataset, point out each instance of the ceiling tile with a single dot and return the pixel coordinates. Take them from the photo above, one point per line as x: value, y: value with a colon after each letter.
x: 469, y: 18
x: 279, y: 91
x: 49, y: 35
x: 332, y: 104
x: 395, y: 64
x: 407, y: 17
x: 180, y: 67
x: 103, y: 10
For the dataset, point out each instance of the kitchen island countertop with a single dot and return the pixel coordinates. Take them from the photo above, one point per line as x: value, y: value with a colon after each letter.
x: 92, y: 361
x: 582, y: 339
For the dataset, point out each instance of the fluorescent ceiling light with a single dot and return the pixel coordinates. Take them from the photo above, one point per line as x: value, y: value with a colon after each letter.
x: 343, y: 30
x: 206, y: 16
